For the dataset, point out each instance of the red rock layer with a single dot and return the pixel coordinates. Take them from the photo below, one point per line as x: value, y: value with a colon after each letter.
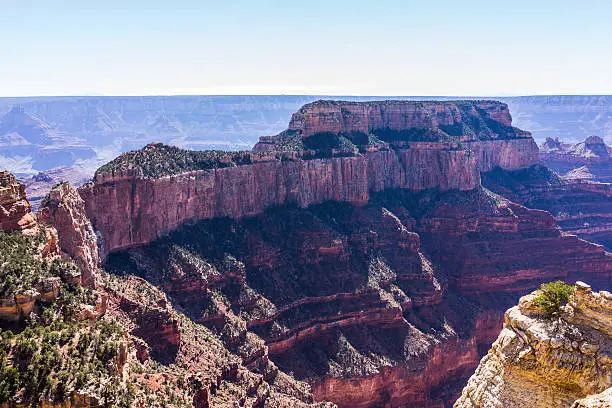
x: 15, y: 211
x: 130, y: 210
x: 64, y: 209
x: 365, y: 117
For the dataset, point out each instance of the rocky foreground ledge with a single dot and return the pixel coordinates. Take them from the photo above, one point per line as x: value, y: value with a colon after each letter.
x: 542, y: 361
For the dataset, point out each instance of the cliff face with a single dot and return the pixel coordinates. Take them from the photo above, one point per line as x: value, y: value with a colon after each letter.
x: 130, y: 210
x: 119, y: 342
x: 409, y: 145
x: 15, y: 211
x: 64, y: 210
x: 368, y: 117
x: 541, y: 361
x: 589, y: 160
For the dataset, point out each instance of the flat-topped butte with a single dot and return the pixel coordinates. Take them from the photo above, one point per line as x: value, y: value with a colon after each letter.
x: 326, y: 128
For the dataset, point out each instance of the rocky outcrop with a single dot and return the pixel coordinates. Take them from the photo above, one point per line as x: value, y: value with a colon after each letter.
x: 602, y: 400
x: 484, y: 127
x: 39, y: 185
x: 15, y: 211
x: 64, y: 209
x: 18, y: 306
x: 541, y: 361
x: 588, y: 160
x: 341, y: 117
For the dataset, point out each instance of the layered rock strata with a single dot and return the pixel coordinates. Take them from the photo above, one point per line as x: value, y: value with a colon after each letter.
x: 358, y: 246
x: 579, y: 207
x: 544, y: 361
x: 120, y: 342
x: 389, y: 303
x: 332, y: 151
x: 15, y: 211
x: 64, y: 209
x: 130, y: 210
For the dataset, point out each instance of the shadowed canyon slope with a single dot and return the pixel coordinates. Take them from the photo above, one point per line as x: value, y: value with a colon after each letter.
x: 72, y: 335
x: 359, y: 244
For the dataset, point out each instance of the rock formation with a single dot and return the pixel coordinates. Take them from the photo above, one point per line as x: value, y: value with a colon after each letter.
x: 409, y: 145
x: 579, y: 207
x: 39, y: 185
x: 543, y: 361
x: 15, y: 211
x: 335, y: 289
x: 588, y: 160
x: 602, y: 400
x: 65, y: 211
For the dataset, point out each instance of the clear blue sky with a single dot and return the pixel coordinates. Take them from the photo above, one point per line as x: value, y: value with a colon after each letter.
x: 130, y: 47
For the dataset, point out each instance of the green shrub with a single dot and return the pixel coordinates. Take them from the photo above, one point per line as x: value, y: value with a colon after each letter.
x: 553, y: 295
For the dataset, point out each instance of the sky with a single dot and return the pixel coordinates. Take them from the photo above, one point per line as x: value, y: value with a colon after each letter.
x: 375, y: 47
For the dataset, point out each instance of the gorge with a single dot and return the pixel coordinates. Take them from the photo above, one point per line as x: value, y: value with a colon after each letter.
x: 359, y: 244
x: 365, y: 256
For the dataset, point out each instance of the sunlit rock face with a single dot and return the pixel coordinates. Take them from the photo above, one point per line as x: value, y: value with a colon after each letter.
x: 543, y: 361
x: 65, y: 211
x: 15, y: 211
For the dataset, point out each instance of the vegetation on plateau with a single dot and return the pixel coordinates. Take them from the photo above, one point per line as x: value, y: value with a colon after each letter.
x: 158, y: 160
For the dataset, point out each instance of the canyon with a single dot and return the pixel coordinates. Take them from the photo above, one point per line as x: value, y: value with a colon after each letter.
x: 359, y: 245
x: 277, y: 175
x: 107, y: 340
x: 364, y: 256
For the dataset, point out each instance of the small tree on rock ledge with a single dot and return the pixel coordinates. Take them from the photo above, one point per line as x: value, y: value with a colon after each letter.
x: 552, y: 296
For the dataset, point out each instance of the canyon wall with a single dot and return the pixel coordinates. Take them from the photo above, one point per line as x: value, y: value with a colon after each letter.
x: 392, y: 302
x: 358, y: 245
x: 130, y: 210
x: 579, y: 207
